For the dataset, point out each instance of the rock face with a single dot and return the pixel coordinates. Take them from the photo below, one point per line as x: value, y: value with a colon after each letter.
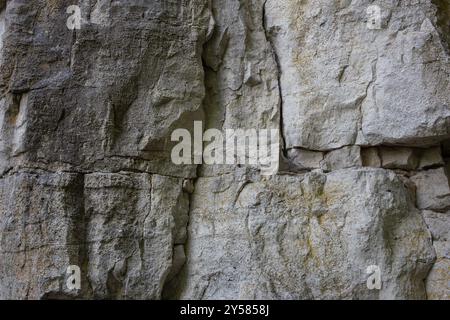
x: 343, y: 83
x: 305, y: 237
x: 120, y: 228
x: 359, y: 91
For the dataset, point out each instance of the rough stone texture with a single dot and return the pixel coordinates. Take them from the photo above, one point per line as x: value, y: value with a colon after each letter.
x: 344, y: 83
x: 438, y: 224
x: 305, y: 237
x: 343, y: 158
x: 438, y: 287
x: 116, y: 227
x: 399, y: 158
x: 438, y: 281
x: 41, y: 224
x: 86, y: 179
x: 305, y: 159
x: 241, y: 76
x: 433, y: 190
x: 106, y: 96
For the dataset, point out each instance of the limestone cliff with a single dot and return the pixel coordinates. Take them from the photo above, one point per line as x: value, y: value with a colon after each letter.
x: 87, y: 179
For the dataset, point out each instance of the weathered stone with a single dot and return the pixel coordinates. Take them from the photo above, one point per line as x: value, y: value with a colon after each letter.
x: 41, y: 233
x: 178, y: 260
x: 86, y: 179
x: 431, y: 158
x: 296, y: 237
x: 2, y: 24
x: 120, y: 244
x: 343, y: 158
x: 305, y: 159
x: 433, y: 191
x: 169, y: 199
x: 119, y: 228
x: 107, y: 95
x: 398, y: 158
x: 242, y: 76
x: 343, y: 82
x: 438, y: 223
x: 370, y: 157
x: 438, y: 281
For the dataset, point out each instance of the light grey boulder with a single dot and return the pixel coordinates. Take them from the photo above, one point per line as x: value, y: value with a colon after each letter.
x: 305, y: 159
x: 86, y: 178
x: 438, y: 223
x: 438, y: 287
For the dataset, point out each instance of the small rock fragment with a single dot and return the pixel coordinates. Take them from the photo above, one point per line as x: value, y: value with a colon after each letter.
x: 398, y: 158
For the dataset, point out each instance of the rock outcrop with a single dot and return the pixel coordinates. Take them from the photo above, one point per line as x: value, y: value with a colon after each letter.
x: 87, y: 179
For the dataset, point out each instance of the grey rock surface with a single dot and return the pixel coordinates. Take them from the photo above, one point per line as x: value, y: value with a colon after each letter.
x: 120, y: 228
x: 399, y: 158
x: 305, y: 237
x: 433, y: 189
x: 86, y: 177
x: 343, y: 83
x: 438, y: 281
x: 431, y: 158
x: 346, y: 157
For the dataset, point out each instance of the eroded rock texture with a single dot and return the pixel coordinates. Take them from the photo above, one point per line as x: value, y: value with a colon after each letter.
x: 282, y: 237
x: 86, y: 117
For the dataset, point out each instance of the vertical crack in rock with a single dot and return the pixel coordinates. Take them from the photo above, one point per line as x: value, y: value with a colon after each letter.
x: 279, y: 71
x: 175, y: 280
